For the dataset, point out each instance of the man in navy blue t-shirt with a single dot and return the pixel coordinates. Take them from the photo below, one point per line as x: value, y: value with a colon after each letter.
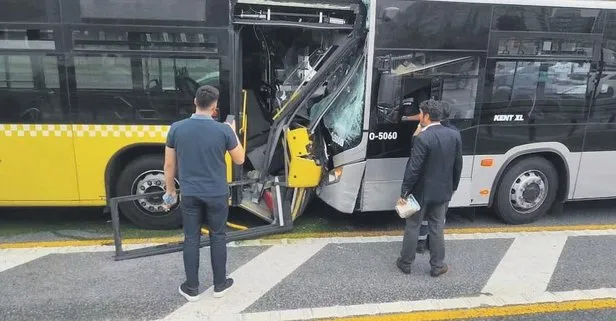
x: 196, y: 150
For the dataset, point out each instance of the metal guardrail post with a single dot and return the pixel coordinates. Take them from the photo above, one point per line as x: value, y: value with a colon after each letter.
x: 281, y: 224
x: 115, y: 223
x: 115, y: 217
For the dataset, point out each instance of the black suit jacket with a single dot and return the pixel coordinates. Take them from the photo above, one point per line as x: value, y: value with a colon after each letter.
x: 434, y: 168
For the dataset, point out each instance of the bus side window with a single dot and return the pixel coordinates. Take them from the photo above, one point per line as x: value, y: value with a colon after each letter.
x: 416, y: 77
x: 389, y: 105
x: 30, y: 90
x: 152, y: 82
x: 541, y: 91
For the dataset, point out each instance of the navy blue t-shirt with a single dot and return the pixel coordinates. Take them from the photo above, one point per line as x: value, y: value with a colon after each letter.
x: 200, y: 144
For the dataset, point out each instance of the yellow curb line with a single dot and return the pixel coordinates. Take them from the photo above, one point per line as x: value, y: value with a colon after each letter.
x: 99, y: 242
x: 491, y: 312
x: 470, y: 230
x: 299, y: 235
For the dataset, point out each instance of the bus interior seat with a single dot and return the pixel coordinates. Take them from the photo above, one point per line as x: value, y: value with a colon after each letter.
x: 154, y: 86
x: 187, y: 85
x: 32, y: 115
x: 125, y: 108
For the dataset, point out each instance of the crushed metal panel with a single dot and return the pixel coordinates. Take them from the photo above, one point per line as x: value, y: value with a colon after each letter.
x: 303, y: 171
x: 343, y: 195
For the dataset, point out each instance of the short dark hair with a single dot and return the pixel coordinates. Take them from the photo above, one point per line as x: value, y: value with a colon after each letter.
x: 206, y: 96
x: 433, y: 108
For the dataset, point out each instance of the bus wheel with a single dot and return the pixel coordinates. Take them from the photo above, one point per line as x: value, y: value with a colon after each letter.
x: 145, y: 175
x: 527, y: 190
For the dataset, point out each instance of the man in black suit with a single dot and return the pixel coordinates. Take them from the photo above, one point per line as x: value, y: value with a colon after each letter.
x: 423, y: 243
x: 432, y: 175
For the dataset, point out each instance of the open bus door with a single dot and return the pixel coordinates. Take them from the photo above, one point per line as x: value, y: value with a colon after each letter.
x: 286, y: 163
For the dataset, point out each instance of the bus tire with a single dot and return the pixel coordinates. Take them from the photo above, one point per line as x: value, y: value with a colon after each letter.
x: 527, y: 190
x: 146, y: 174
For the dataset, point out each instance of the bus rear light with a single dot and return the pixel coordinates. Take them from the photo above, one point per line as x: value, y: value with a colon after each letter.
x: 487, y: 162
x: 334, y: 175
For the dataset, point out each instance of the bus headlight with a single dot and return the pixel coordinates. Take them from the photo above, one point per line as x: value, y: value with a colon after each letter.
x: 334, y: 175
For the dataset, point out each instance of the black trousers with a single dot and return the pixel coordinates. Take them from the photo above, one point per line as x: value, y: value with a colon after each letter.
x: 216, y: 211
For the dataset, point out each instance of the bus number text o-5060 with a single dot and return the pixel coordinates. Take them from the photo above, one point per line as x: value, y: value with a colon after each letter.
x: 383, y: 136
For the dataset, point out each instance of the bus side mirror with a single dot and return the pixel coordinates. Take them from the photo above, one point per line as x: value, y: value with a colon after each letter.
x: 390, y: 13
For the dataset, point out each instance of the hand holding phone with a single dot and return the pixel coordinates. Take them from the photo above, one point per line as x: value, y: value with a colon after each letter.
x: 230, y: 121
x: 418, y: 130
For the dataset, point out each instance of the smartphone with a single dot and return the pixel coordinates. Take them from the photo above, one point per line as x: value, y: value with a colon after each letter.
x: 230, y: 119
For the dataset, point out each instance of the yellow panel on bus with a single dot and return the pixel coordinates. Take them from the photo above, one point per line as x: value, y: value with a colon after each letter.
x: 37, y: 165
x: 65, y: 164
x: 95, y: 145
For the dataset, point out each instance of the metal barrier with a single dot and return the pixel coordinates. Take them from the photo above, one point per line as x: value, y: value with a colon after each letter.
x: 282, y: 223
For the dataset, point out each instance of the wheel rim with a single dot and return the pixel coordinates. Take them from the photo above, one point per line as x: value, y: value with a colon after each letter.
x: 151, y: 182
x: 528, y: 191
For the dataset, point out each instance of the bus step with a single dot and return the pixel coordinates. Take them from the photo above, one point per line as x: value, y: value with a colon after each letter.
x: 259, y: 210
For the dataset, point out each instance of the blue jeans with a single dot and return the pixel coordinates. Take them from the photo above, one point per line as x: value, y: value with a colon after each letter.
x: 216, y: 210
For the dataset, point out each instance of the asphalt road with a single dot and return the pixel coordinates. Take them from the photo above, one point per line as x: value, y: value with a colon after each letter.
x: 318, y: 277
x: 323, y: 278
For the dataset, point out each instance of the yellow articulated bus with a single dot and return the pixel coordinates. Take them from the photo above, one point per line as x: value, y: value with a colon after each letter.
x: 321, y: 91
x: 88, y: 91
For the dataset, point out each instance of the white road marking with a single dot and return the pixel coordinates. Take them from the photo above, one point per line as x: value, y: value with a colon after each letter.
x: 426, y: 305
x: 16, y: 258
x: 10, y: 258
x: 527, y: 266
x: 252, y: 281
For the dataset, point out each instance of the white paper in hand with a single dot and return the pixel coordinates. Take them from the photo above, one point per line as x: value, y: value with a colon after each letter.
x: 409, y: 208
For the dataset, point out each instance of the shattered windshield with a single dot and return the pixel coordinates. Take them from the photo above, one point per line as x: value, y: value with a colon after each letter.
x: 344, y: 119
x: 331, y: 86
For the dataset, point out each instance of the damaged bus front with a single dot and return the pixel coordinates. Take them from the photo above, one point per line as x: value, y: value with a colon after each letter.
x: 296, y: 78
x: 301, y: 66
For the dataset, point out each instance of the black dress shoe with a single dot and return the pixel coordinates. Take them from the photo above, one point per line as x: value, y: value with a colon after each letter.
x: 405, y: 268
x: 436, y: 272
